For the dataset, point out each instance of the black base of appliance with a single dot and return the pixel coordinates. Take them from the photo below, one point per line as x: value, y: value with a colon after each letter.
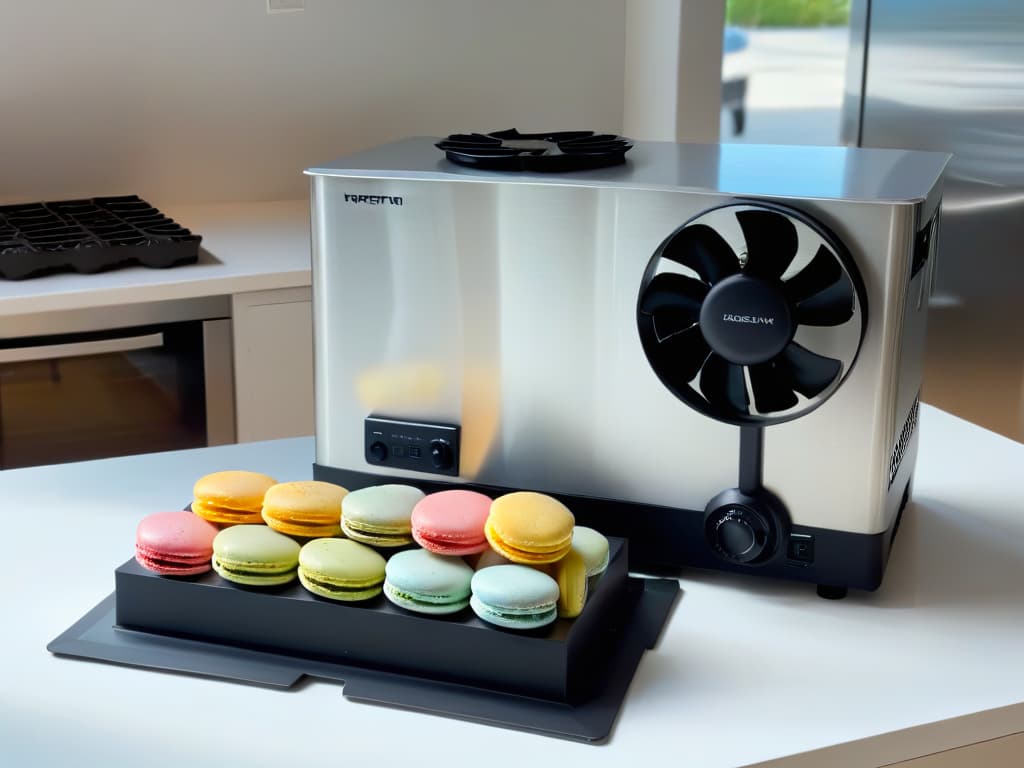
x: 567, y: 680
x: 665, y: 539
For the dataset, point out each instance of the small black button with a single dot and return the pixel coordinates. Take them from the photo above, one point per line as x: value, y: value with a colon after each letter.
x: 801, y: 548
x: 378, y: 452
x: 398, y: 451
x: 414, y: 452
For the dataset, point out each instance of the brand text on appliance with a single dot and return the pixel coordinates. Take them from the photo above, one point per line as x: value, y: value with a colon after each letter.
x: 373, y: 199
x: 751, y: 319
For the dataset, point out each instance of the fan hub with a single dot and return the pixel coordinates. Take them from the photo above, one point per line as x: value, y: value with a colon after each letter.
x: 747, y: 320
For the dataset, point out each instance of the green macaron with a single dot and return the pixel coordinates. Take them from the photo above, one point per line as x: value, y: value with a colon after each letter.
x: 339, y: 569
x: 514, y: 597
x: 380, y: 515
x: 425, y: 582
x: 255, y: 555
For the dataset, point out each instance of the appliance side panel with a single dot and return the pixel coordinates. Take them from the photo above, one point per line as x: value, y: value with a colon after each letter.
x: 830, y: 467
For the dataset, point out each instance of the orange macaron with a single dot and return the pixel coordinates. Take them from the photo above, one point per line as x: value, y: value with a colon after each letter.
x: 231, y: 497
x: 305, y: 508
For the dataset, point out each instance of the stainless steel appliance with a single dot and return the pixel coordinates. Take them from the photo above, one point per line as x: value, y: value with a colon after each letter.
x: 948, y: 77
x: 712, y: 350
x: 143, y: 378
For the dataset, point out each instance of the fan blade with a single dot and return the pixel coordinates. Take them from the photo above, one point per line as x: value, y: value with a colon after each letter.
x: 772, y: 389
x: 723, y: 385
x: 674, y: 301
x: 680, y: 356
x: 808, y: 373
x: 832, y: 306
x: 771, y: 242
x: 822, y: 271
x: 703, y: 250
x: 671, y: 290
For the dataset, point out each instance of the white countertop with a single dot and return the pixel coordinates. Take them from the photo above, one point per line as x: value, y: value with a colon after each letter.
x: 747, y: 670
x: 245, y: 247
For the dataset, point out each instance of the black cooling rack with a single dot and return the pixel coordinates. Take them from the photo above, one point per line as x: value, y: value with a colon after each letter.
x: 92, y: 235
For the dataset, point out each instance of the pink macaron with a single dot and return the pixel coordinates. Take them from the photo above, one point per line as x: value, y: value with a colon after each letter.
x: 174, y: 543
x: 451, y: 522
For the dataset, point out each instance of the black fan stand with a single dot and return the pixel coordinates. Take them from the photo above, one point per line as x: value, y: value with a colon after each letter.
x: 748, y: 524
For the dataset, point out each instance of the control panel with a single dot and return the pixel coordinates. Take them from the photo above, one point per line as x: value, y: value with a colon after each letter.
x: 421, y: 447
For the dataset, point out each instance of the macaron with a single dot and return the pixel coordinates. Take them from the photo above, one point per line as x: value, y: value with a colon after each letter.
x: 308, y: 508
x: 570, y: 573
x: 425, y: 582
x: 514, y: 597
x: 231, y: 497
x: 339, y: 569
x: 380, y: 515
x: 255, y: 556
x: 529, y: 528
x: 451, y: 522
x: 174, y: 543
x: 593, y: 548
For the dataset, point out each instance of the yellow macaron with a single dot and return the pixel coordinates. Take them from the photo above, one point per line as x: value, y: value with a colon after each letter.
x: 571, y: 574
x: 308, y: 508
x: 529, y: 528
x: 231, y: 497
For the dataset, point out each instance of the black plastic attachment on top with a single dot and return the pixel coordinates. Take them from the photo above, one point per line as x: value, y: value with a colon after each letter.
x: 560, y: 151
x: 90, y: 236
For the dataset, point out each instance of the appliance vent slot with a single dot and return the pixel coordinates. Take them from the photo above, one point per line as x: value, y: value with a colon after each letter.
x: 909, y: 426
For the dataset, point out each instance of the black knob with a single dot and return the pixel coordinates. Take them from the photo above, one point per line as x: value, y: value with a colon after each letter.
x: 378, y: 452
x: 739, y: 534
x: 441, y: 454
x: 746, y: 528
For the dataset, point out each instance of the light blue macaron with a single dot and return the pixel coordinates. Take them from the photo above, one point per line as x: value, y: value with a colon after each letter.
x: 425, y: 582
x: 514, y: 597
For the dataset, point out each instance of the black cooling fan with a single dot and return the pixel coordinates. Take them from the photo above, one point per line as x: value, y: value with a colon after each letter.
x: 549, y: 152
x: 751, y: 313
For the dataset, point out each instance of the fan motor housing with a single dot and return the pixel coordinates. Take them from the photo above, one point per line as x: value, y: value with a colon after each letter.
x: 746, y: 320
x: 574, y: 327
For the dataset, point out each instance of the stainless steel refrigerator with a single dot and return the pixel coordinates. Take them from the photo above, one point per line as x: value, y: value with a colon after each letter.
x: 949, y: 75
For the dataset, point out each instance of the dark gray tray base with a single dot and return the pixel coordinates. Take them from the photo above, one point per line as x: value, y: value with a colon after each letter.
x: 97, y: 637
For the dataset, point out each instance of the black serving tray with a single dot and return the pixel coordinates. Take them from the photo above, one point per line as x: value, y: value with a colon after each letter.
x: 90, y: 235
x: 568, y: 679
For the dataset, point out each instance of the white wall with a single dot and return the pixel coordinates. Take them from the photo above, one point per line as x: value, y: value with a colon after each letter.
x: 197, y: 100
x: 673, y: 66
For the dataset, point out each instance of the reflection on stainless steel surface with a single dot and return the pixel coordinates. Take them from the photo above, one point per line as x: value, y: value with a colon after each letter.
x: 949, y: 76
